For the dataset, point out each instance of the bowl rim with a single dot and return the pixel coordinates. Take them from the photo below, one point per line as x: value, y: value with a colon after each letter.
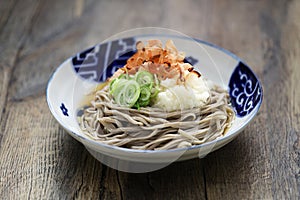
x: 252, y: 114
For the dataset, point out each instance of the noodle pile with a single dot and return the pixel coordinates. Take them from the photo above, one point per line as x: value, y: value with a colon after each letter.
x: 152, y: 128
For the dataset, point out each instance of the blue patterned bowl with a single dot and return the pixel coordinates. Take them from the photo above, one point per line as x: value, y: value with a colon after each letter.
x: 78, y: 75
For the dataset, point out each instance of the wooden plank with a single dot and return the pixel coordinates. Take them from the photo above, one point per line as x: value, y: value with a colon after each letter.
x: 52, y: 39
x: 260, y: 163
x: 70, y: 16
x: 34, y: 70
x: 47, y: 163
x: 286, y: 168
x: 181, y: 180
x: 13, y: 31
x: 241, y: 169
x: 41, y: 161
x: 6, y: 7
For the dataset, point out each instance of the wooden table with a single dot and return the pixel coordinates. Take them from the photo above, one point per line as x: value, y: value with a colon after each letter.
x: 39, y: 160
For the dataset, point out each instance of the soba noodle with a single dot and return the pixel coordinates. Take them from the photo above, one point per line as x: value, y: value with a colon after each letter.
x: 150, y: 128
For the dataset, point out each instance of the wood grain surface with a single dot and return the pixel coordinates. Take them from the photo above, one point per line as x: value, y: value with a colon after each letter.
x: 39, y: 160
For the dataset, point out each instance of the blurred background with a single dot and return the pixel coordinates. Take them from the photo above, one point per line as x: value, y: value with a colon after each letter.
x: 51, y: 31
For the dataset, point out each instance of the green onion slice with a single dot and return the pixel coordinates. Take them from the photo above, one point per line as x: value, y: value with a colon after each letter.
x: 126, y: 92
x: 154, y: 92
x: 145, y: 93
x: 144, y: 78
x: 115, y: 83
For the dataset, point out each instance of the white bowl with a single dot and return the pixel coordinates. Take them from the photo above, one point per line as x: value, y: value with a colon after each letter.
x: 79, y: 74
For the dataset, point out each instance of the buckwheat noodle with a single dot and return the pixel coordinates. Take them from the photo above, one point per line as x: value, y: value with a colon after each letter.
x: 152, y: 128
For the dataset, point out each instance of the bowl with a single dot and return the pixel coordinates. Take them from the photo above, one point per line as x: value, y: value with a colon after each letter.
x: 79, y: 74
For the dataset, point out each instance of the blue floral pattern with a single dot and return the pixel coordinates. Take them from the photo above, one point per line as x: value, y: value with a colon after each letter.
x: 245, y: 90
x: 64, y: 110
x: 101, y: 61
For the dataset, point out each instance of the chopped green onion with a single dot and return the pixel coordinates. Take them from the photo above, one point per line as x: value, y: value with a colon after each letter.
x: 143, y: 103
x: 144, y: 78
x: 127, y: 93
x: 112, y: 83
x: 115, y: 83
x: 154, y: 92
x: 134, y: 91
x: 123, y: 76
x: 145, y: 93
